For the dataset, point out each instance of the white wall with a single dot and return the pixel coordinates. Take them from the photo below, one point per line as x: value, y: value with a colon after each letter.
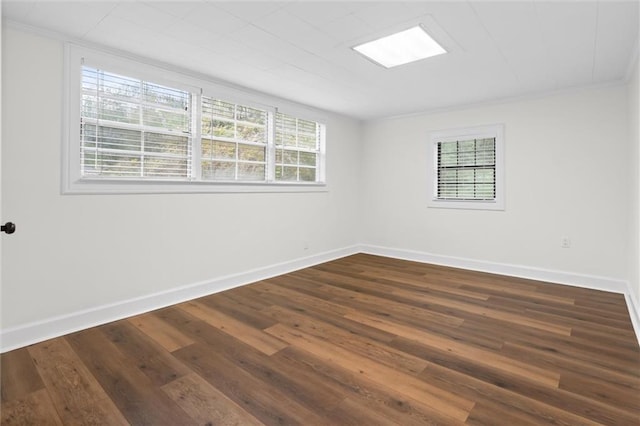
x: 78, y: 252
x: 633, y: 91
x: 566, y: 175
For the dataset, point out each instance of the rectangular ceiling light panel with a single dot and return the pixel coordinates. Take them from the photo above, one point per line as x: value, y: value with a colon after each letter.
x: 401, y: 48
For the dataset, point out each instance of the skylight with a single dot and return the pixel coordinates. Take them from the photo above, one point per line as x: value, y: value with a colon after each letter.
x: 401, y: 48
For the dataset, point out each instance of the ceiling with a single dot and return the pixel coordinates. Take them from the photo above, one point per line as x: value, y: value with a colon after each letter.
x: 301, y: 50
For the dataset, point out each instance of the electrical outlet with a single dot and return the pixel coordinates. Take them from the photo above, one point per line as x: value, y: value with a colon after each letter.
x: 565, y: 242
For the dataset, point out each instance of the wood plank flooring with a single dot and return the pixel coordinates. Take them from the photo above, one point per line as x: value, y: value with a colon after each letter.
x: 362, y: 340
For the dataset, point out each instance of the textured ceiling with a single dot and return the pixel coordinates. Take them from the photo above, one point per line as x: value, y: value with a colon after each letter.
x: 301, y: 50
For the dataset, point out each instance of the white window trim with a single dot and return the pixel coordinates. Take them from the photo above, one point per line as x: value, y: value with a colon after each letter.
x: 73, y: 183
x: 488, y: 131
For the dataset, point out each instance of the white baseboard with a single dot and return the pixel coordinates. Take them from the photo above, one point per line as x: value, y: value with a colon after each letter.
x: 634, y: 311
x: 27, y: 334
x: 557, y: 277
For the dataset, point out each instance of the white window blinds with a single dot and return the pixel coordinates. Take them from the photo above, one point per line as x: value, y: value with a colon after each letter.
x: 136, y: 128
x: 132, y: 128
x: 297, y: 147
x: 466, y: 169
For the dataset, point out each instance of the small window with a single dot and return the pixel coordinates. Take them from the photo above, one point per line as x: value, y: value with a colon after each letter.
x: 466, y: 168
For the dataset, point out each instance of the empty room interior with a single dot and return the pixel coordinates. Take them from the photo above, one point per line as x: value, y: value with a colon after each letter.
x: 320, y: 213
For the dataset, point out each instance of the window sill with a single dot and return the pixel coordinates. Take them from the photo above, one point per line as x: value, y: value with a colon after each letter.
x: 120, y: 186
x: 466, y: 204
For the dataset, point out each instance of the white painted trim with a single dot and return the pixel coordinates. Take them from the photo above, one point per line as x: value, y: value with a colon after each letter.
x: 476, y: 132
x: 634, y: 310
x: 539, y: 274
x: 27, y: 334
x: 118, y: 187
x: 72, y: 182
x: 490, y: 102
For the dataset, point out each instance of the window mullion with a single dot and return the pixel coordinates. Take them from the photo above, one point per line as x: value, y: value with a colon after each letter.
x: 458, y: 169
x: 475, y: 170
x: 438, y: 163
x: 297, y: 151
x: 196, y: 136
x: 271, y: 147
x: 322, y: 165
x: 141, y: 124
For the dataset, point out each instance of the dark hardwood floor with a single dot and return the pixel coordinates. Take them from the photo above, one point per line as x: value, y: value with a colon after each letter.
x: 363, y: 340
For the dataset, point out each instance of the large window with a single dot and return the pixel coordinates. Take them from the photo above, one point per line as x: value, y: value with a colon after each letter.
x: 132, y: 129
x: 466, y: 168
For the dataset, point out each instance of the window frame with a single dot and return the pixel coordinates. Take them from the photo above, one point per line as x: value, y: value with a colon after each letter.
x: 478, y: 132
x: 72, y: 182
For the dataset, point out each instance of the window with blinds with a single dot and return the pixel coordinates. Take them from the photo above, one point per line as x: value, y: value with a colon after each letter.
x: 136, y: 128
x: 234, y: 141
x: 297, y: 144
x: 467, y: 169
x: 132, y: 128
